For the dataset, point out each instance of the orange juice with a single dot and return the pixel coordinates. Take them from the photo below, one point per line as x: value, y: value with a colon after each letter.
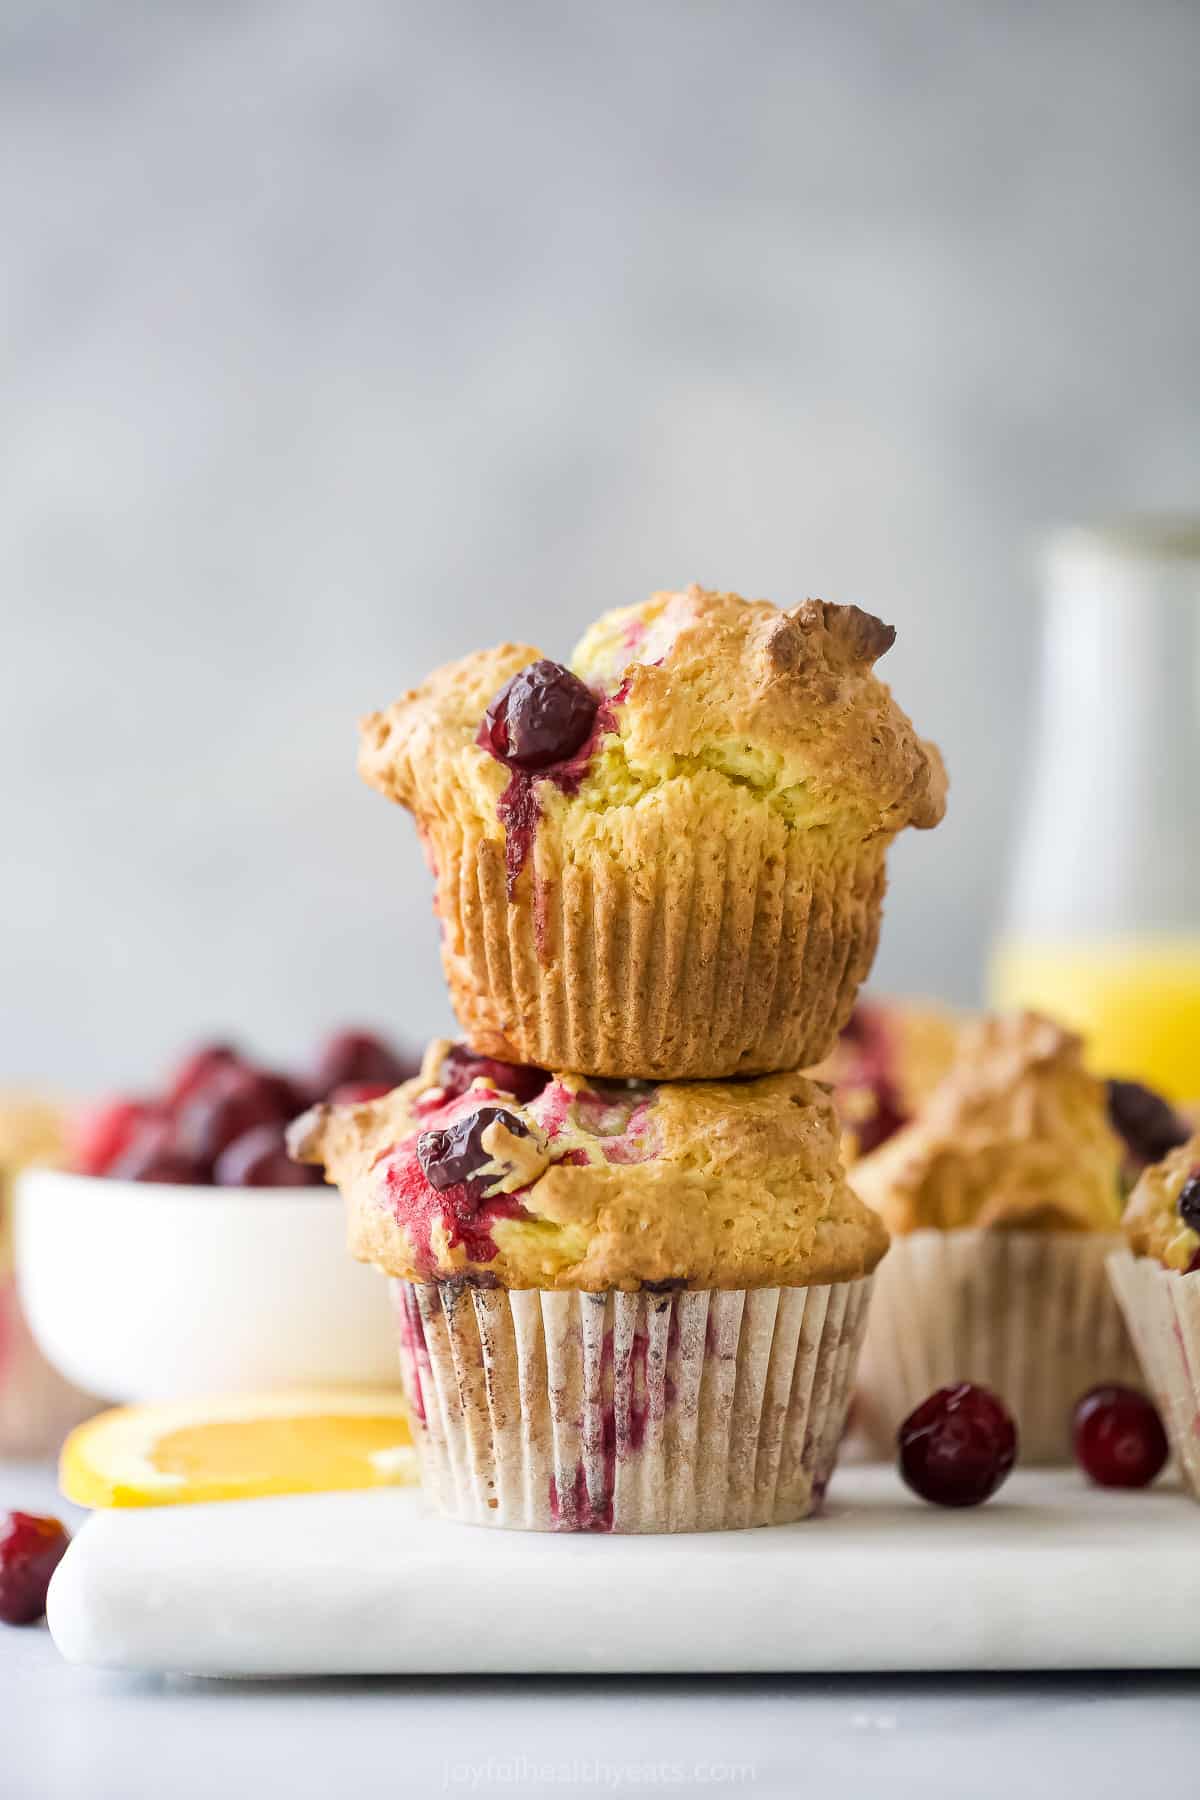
x: 1136, y: 1001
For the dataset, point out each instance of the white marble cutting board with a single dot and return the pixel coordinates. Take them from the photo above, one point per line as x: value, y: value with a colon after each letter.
x: 1051, y: 1574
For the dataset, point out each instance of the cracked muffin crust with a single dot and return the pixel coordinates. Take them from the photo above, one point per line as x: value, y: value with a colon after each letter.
x: 1015, y: 1137
x: 686, y: 882
x: 594, y: 1187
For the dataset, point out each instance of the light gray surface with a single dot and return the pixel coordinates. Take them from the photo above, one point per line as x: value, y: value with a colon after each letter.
x: 71, y: 1734
x: 335, y: 340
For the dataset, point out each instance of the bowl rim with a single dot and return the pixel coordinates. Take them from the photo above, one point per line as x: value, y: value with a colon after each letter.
x: 165, y: 1191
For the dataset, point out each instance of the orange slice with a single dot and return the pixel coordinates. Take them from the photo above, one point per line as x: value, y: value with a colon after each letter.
x: 239, y: 1447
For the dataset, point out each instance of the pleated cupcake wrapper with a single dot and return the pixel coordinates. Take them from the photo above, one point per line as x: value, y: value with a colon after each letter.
x: 663, y: 955
x: 1162, y: 1310
x: 628, y: 1412
x: 1029, y: 1314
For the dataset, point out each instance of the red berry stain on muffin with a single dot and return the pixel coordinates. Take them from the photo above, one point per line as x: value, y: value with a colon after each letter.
x: 545, y: 725
x: 430, y: 1178
x: 411, y: 1332
x: 574, y: 1510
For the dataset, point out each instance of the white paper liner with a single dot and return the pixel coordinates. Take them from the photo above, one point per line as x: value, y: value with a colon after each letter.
x: 643, y: 1412
x: 1029, y: 1314
x: 1162, y: 1310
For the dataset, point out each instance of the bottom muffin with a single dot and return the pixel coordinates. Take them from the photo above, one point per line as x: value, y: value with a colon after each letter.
x: 621, y: 1307
x: 1157, y: 1281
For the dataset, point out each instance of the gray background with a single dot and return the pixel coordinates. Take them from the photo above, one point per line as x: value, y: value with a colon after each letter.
x: 338, y: 339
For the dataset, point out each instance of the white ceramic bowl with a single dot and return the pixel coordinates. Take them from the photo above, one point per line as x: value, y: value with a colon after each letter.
x: 144, y: 1291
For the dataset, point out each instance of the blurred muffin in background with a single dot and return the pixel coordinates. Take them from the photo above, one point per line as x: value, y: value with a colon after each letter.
x: 1003, y: 1198
x: 37, y: 1407
x: 1157, y: 1281
x: 885, y: 1065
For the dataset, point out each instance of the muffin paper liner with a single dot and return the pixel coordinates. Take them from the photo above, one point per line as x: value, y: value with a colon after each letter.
x: 1162, y: 1310
x: 661, y: 954
x: 1029, y: 1314
x: 643, y: 1412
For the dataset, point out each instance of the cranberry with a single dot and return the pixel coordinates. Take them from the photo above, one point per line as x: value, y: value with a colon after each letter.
x: 958, y: 1446
x: 106, y: 1133
x: 155, y: 1154
x: 196, y: 1069
x: 259, y: 1158
x: 460, y: 1067
x: 1189, y: 1201
x: 1149, y: 1125
x: 359, y: 1056
x: 234, y: 1100
x: 357, y: 1093
x: 450, y: 1158
x: 542, y: 716
x: 31, y: 1548
x: 1119, y: 1437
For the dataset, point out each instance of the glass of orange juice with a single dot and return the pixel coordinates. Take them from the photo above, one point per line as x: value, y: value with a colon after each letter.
x: 1102, y: 923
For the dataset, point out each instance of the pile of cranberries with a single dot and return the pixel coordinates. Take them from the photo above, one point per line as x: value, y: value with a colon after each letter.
x: 220, y: 1119
x: 960, y: 1445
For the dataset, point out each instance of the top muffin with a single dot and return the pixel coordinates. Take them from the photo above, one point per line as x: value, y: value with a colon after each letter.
x: 668, y: 860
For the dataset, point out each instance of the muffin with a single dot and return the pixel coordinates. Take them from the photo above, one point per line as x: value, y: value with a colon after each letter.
x: 885, y: 1065
x: 37, y: 1407
x: 1157, y: 1281
x: 626, y: 1307
x: 666, y: 862
x: 1003, y: 1198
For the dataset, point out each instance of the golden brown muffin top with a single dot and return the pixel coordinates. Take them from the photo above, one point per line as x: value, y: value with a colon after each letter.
x: 1014, y: 1137
x: 591, y: 1185
x: 786, y: 703
x: 1156, y: 1221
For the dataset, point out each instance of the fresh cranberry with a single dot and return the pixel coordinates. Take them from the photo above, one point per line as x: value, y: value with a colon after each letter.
x: 541, y: 716
x: 450, y: 1158
x: 1119, y: 1437
x: 460, y: 1067
x: 958, y: 1446
x: 197, y: 1069
x: 1149, y: 1125
x: 105, y: 1133
x: 31, y: 1548
x: 359, y: 1056
x: 357, y: 1093
x: 155, y: 1154
x: 1189, y: 1201
x: 259, y: 1158
x: 234, y: 1100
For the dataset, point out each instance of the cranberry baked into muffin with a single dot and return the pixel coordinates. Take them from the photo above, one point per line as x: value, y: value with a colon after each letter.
x: 667, y: 861
x: 631, y: 1306
x: 1002, y: 1196
x: 1157, y: 1281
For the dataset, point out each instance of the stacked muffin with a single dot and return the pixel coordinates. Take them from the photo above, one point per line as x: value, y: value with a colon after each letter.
x: 631, y: 1278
